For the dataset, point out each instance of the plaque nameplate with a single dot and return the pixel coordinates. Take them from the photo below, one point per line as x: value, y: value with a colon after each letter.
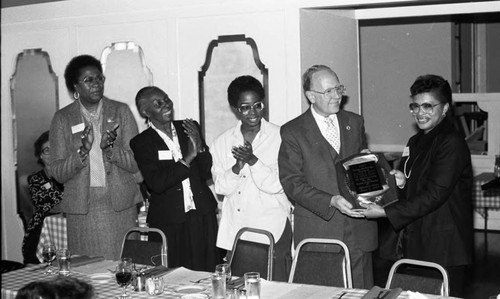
x: 365, y: 178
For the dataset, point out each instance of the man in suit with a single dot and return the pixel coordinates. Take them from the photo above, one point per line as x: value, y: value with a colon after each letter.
x: 307, y: 171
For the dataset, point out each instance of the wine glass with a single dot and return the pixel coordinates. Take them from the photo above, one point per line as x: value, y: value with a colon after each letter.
x: 124, y: 277
x: 224, y: 269
x: 49, y: 255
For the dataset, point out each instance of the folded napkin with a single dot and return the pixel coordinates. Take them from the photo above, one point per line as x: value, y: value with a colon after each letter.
x: 80, y: 260
x: 416, y: 295
x: 380, y: 293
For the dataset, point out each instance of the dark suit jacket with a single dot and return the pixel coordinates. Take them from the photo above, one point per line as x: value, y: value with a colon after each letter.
x: 307, y: 173
x: 122, y: 174
x: 435, y: 206
x: 164, y: 177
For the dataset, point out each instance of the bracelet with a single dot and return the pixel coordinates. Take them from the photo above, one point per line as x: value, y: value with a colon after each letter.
x: 82, y: 154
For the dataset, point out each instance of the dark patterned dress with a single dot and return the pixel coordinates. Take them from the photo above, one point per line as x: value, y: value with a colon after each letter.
x: 45, y: 193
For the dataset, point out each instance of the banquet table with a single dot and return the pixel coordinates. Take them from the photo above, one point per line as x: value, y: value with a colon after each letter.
x: 485, y: 200
x: 53, y: 230
x: 175, y: 281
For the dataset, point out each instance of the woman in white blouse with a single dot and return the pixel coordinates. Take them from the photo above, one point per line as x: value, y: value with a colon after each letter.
x: 245, y: 172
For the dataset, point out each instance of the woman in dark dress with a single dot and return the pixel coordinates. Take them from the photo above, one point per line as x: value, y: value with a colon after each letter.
x: 434, y: 213
x: 46, y: 193
x: 175, y: 164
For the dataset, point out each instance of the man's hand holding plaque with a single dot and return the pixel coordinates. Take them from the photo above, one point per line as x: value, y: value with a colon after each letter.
x: 365, y: 178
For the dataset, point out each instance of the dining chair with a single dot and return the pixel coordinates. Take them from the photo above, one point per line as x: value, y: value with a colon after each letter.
x: 250, y: 256
x: 416, y: 275
x: 144, y: 251
x: 322, y: 262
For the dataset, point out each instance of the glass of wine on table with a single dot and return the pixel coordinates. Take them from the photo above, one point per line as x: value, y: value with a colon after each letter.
x: 124, y: 277
x: 49, y: 255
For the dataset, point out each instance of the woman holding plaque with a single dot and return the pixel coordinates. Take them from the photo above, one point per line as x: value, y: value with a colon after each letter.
x: 433, y: 216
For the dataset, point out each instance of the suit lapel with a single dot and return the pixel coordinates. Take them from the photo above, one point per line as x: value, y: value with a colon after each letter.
x: 344, y: 128
x: 183, y: 139
x: 314, y: 136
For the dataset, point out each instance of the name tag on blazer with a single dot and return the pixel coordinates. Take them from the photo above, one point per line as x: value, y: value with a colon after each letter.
x: 77, y: 128
x: 164, y: 155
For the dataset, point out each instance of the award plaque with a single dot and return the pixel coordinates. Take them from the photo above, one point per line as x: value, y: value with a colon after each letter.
x: 365, y: 178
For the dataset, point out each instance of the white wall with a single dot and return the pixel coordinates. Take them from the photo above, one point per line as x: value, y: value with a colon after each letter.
x: 174, y: 36
x: 393, y: 55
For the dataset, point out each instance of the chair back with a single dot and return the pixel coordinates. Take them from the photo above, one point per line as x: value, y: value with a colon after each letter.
x: 249, y: 256
x: 416, y: 275
x: 322, y: 262
x: 145, y: 252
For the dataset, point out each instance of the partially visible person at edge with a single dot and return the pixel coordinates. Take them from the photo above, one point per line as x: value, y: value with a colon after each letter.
x: 175, y: 164
x: 307, y: 157
x: 245, y: 171
x: 61, y: 287
x: 434, y: 214
x: 46, y: 193
x: 90, y: 155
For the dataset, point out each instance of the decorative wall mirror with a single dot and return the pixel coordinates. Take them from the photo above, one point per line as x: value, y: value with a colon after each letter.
x: 228, y: 57
x: 124, y: 66
x: 35, y: 99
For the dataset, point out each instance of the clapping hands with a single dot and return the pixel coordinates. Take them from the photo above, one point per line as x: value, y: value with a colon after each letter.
x: 243, y: 155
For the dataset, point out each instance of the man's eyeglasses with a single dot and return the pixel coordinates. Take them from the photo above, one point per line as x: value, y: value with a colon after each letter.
x: 257, y: 107
x: 99, y: 79
x: 426, y: 108
x: 334, y: 91
x: 46, y: 150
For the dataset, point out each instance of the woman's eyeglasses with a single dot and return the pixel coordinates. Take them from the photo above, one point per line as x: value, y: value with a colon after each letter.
x: 99, y: 79
x: 336, y: 91
x: 257, y: 107
x: 46, y: 150
x: 426, y: 108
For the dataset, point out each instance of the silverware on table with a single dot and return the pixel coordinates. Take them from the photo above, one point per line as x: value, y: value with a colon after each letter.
x: 199, y: 280
x: 39, y: 267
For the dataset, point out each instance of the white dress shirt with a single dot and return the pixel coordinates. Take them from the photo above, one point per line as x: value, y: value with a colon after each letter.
x: 254, y: 197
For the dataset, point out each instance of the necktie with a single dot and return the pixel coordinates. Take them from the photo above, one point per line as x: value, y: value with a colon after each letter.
x: 331, y: 134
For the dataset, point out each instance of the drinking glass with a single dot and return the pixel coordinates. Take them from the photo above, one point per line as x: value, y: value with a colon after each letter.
x: 64, y: 259
x: 49, y: 255
x: 124, y: 277
x: 252, y: 285
x: 224, y: 269
x: 218, y: 285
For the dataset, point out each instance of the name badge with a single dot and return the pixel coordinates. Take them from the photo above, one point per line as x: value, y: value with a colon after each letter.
x: 406, y: 151
x: 47, y: 185
x: 77, y: 128
x: 164, y: 155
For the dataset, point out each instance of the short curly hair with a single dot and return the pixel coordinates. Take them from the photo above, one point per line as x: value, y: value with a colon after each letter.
x: 242, y: 84
x: 74, y: 67
x: 435, y: 84
x: 57, y: 288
